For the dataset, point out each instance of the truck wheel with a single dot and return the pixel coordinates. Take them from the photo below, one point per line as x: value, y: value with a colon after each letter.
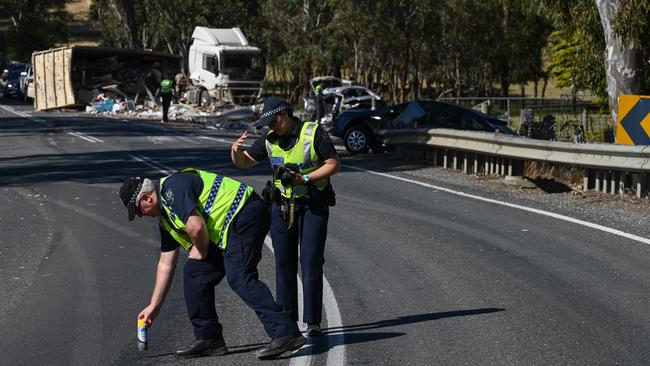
x: 357, y: 139
x: 205, y: 99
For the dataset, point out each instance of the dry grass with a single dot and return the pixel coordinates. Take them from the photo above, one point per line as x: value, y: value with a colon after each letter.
x: 79, y: 10
x: 552, y: 90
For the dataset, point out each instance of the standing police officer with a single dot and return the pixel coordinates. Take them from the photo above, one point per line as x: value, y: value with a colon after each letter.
x: 320, y: 107
x: 166, y: 94
x: 303, y: 158
x: 222, y: 223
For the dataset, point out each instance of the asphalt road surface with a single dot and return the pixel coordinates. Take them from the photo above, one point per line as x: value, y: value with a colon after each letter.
x: 416, y: 274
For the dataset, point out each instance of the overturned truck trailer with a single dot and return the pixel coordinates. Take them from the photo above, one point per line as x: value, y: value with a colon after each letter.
x: 74, y: 76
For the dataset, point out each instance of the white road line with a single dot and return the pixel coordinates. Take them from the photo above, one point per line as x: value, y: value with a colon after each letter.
x: 187, y: 139
x: 79, y: 135
x: 524, y: 208
x: 82, y: 136
x: 152, y: 164
x: 336, y: 353
x: 217, y: 140
x: 29, y: 117
x: 296, y: 360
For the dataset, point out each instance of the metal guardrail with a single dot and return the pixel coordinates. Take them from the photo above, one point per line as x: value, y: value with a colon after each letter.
x: 608, y: 168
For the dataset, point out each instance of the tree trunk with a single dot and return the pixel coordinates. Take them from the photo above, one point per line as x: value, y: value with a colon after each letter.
x: 622, y: 59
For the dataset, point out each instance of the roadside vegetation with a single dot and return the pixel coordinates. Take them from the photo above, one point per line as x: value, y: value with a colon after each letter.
x: 402, y: 49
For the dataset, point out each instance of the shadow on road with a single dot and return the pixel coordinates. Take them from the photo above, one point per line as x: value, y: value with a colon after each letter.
x: 337, y: 336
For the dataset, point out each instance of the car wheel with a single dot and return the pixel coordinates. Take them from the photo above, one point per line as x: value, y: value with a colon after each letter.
x: 205, y: 99
x: 357, y: 140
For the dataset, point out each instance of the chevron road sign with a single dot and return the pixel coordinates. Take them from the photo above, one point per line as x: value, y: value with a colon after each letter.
x: 633, y: 126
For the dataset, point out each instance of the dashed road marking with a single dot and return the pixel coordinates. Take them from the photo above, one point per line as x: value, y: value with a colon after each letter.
x: 82, y: 136
x: 28, y: 116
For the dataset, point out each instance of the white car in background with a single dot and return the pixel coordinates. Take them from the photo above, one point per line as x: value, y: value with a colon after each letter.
x: 26, y: 78
x: 339, y: 95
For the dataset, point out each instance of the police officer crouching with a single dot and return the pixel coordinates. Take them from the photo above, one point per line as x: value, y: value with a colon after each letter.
x: 303, y: 158
x: 222, y: 223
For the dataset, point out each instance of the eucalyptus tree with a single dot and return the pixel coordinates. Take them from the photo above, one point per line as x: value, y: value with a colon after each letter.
x: 617, y: 31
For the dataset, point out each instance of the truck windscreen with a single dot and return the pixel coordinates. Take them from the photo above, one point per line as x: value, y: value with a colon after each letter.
x: 244, y: 66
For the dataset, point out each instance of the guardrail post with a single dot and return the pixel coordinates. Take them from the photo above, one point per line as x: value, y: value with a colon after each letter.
x: 491, y: 165
x: 622, y: 179
x: 585, y: 179
x: 444, y: 159
x: 455, y: 160
x: 502, y: 166
x: 612, y: 183
x: 476, y: 157
x: 465, y: 162
x: 605, y: 181
x: 486, y: 165
x: 641, y: 179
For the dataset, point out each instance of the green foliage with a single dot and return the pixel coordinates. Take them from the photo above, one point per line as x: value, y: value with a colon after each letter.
x: 32, y: 25
x: 576, y: 63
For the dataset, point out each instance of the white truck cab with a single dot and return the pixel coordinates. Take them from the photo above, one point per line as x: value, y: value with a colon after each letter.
x: 225, y: 66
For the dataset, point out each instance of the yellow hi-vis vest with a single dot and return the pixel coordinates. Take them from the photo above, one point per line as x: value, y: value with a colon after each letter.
x: 303, y: 154
x: 220, y: 200
x: 166, y: 86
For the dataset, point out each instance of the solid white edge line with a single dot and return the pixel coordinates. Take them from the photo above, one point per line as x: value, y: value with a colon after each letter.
x: 336, y: 341
x: 507, y: 204
x: 296, y: 360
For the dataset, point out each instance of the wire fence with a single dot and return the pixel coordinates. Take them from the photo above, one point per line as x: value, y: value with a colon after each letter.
x: 569, y: 118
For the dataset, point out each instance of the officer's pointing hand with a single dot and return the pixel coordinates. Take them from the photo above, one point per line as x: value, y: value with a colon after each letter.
x: 236, y: 146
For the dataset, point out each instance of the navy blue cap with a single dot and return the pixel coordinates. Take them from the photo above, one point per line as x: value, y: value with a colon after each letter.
x: 272, y: 106
x: 129, y: 193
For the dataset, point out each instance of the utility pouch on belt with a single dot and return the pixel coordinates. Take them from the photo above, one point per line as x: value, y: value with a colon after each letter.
x: 329, y: 195
x: 267, y: 194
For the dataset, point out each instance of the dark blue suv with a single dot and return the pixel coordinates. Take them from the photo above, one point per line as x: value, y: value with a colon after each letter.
x: 359, y: 127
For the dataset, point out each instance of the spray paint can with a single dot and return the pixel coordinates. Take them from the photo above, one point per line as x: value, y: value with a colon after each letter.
x: 143, y: 336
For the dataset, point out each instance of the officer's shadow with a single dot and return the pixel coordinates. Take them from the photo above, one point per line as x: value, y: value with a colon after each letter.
x: 349, y: 334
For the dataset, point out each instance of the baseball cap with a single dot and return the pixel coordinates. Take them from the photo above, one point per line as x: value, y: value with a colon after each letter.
x: 270, y: 108
x: 129, y: 193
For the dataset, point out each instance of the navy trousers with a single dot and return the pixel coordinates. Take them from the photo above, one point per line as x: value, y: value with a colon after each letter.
x: 308, y: 235
x: 243, y: 253
x: 239, y: 264
x: 200, y: 277
x: 166, y: 101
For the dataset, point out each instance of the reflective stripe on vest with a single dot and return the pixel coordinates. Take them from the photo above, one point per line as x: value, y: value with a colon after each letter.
x: 302, y: 154
x: 220, y: 200
x: 166, y: 86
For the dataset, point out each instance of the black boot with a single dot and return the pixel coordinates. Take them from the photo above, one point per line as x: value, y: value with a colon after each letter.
x: 204, y: 347
x: 280, y: 345
x: 313, y: 330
